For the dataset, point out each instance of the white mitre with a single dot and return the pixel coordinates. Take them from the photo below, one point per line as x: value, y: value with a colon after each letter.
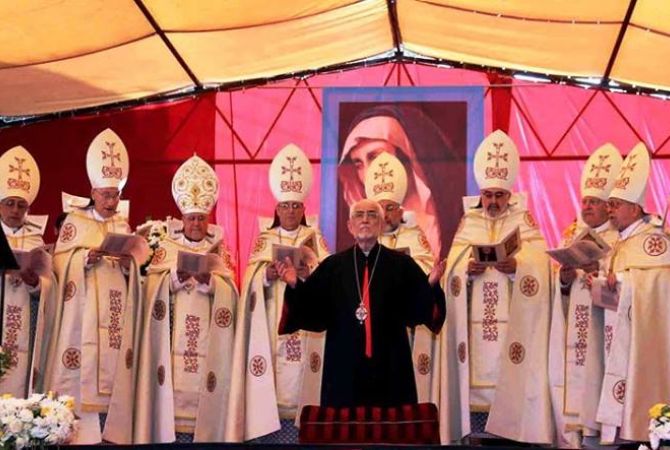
x: 496, y: 162
x: 107, y: 161
x: 19, y: 175
x: 631, y: 182
x: 290, y: 175
x: 386, y: 179
x: 600, y: 172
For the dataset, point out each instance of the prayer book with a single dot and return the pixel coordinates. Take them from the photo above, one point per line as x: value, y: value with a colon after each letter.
x: 116, y: 244
x: 281, y: 252
x: 38, y: 260
x: 585, y: 249
x: 491, y: 254
x: 300, y: 255
x: 197, y: 263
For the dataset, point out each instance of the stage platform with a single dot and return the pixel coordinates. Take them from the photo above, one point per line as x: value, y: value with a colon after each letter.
x: 252, y: 446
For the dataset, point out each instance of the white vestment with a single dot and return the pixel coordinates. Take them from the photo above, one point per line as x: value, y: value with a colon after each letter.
x: 186, y: 347
x: 425, y: 345
x: 576, y: 349
x: 636, y: 375
x: 27, y: 353
x: 496, y: 336
x: 273, y: 375
x: 93, y: 353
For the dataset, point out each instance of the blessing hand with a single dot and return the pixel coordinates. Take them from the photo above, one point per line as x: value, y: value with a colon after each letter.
x: 287, y: 272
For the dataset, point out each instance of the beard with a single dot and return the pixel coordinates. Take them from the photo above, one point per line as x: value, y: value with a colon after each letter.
x: 493, y: 210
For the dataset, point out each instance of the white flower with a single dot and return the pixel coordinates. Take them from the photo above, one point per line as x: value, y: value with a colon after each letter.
x: 21, y: 442
x: 39, y: 432
x: 26, y: 415
x: 15, y: 425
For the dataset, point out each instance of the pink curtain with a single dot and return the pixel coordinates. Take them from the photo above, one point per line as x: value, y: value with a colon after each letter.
x: 555, y: 128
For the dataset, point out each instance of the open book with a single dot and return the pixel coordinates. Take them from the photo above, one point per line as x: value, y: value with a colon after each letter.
x: 198, y: 263
x: 298, y: 255
x: 585, y: 249
x: 493, y: 253
x: 38, y: 260
x: 116, y: 244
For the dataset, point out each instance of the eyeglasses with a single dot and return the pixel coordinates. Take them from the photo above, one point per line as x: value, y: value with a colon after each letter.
x: 369, y: 214
x: 290, y: 205
x: 615, y: 204
x: 109, y: 195
x: 11, y: 203
x: 391, y: 207
x: 497, y: 194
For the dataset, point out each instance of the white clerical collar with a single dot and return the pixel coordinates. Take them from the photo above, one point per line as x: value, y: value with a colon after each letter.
x: 284, y: 232
x: 8, y: 230
x: 630, y: 229
x: 97, y: 216
x: 602, y: 227
x: 367, y: 253
x: 189, y: 243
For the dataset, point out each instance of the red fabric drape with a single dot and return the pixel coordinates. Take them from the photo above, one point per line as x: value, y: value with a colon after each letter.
x: 501, y: 100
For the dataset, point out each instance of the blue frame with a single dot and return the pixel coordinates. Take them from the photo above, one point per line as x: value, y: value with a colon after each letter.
x: 332, y: 97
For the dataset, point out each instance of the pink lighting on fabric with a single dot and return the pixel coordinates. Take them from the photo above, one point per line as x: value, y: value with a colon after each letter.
x: 555, y: 128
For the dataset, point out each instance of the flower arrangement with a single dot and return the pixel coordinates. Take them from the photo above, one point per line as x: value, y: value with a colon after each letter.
x: 38, y: 420
x: 659, y: 424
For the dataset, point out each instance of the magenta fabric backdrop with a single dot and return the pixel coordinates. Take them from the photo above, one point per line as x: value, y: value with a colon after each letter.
x: 555, y: 128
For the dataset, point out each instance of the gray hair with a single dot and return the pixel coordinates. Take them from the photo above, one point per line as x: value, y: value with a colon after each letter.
x: 354, y: 205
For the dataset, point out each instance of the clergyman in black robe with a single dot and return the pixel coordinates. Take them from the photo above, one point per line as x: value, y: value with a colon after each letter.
x: 401, y: 296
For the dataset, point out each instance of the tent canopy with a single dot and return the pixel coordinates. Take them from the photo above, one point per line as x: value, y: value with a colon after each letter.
x: 61, y: 55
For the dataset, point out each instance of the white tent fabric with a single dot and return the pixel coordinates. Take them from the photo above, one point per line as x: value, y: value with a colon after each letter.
x: 58, y: 55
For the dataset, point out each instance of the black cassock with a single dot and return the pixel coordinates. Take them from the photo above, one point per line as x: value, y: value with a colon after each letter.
x: 400, y: 297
